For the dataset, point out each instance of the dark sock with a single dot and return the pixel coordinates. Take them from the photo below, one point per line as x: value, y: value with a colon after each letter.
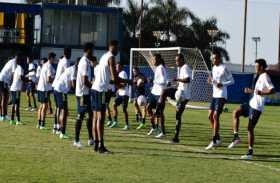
x: 236, y: 136
x: 77, y: 130
x: 115, y: 118
x: 109, y: 118
x: 143, y: 120
x: 39, y: 123
x: 43, y: 123
x: 89, y: 128
x: 137, y: 117
x: 250, y: 152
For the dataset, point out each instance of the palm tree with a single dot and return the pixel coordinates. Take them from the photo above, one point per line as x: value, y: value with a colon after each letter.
x: 169, y: 17
x: 202, y: 39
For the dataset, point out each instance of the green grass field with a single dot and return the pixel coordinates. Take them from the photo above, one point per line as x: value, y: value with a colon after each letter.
x: 28, y: 155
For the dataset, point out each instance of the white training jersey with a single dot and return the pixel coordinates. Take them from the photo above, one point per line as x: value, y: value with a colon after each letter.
x: 220, y: 74
x: 46, y: 72
x: 61, y: 66
x: 123, y: 91
x: 31, y: 72
x: 103, y: 77
x: 83, y: 70
x: 160, y: 80
x: 8, y: 70
x: 38, y: 72
x: 183, y: 73
x: 263, y: 83
x: 17, y: 82
x: 63, y: 84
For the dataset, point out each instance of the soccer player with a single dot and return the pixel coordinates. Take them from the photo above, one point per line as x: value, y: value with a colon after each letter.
x: 122, y: 98
x: 159, y: 84
x: 45, y: 81
x: 63, y: 85
x: 16, y: 87
x: 182, y: 94
x: 63, y: 64
x: 221, y: 78
x: 5, y: 81
x: 255, y: 108
x: 30, y: 88
x: 106, y: 72
x: 83, y: 85
x: 139, y: 81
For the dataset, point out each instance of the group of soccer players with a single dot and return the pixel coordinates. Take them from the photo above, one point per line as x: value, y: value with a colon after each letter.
x: 96, y: 82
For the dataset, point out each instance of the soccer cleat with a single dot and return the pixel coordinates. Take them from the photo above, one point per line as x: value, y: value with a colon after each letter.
x: 126, y: 127
x: 1, y: 118
x: 103, y: 150
x: 141, y: 126
x: 78, y: 145
x: 247, y: 157
x: 234, y: 143
x: 33, y: 109
x: 114, y: 124
x: 58, y: 132
x: 28, y: 108
x: 160, y: 136
x: 12, y: 122
x: 175, y: 141
x: 43, y: 128
x: 54, y: 131
x: 19, y: 123
x: 152, y: 132
x: 212, y: 144
x: 109, y: 123
x: 63, y: 136
x: 90, y: 142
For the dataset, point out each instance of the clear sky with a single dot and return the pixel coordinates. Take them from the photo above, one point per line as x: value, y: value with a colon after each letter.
x: 263, y: 21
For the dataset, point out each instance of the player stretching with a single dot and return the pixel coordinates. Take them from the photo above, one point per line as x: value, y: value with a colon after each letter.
x: 5, y: 80
x: 105, y: 73
x: 122, y: 98
x: 30, y: 88
x: 63, y: 64
x: 83, y: 84
x: 159, y: 84
x: 255, y: 108
x: 16, y: 87
x: 45, y: 81
x: 140, y: 100
x: 220, y: 79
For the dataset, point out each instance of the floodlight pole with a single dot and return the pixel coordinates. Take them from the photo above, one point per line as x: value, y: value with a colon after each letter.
x: 244, y: 37
x: 256, y: 40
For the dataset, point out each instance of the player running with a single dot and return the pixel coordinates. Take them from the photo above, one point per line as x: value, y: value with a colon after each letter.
x: 45, y: 81
x: 83, y: 85
x: 31, y: 82
x: 122, y: 98
x: 221, y: 78
x: 159, y: 84
x: 63, y: 64
x: 139, y: 81
x: 255, y: 108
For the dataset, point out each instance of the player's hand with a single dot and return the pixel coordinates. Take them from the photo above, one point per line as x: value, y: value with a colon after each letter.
x: 210, y: 80
x: 248, y: 90
x: 259, y: 92
x: 220, y: 85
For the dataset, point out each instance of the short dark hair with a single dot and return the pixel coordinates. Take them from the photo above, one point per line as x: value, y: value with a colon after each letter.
x: 52, y: 55
x: 93, y: 59
x: 217, y: 53
x: 159, y: 60
x: 113, y: 43
x: 88, y: 46
x: 180, y: 56
x: 67, y: 50
x: 20, y: 54
x: 261, y: 62
x: 44, y: 59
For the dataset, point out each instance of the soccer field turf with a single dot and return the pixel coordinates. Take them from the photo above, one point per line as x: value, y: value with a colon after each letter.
x: 28, y: 155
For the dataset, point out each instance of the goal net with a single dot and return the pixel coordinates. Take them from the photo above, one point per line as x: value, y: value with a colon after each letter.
x: 201, y: 91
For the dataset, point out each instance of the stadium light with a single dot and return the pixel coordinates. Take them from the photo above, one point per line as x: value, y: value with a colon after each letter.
x: 157, y: 34
x: 212, y: 33
x: 256, y: 40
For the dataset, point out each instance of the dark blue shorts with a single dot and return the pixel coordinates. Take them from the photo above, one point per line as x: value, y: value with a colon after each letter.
x: 60, y: 100
x: 15, y: 97
x: 98, y: 101
x: 253, y: 114
x: 122, y: 100
x: 217, y: 104
x: 43, y: 96
x: 30, y: 87
x: 153, y: 100
x: 83, y: 104
x: 4, y: 87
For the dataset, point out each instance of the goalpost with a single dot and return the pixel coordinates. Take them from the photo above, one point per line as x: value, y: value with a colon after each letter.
x: 201, y: 91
